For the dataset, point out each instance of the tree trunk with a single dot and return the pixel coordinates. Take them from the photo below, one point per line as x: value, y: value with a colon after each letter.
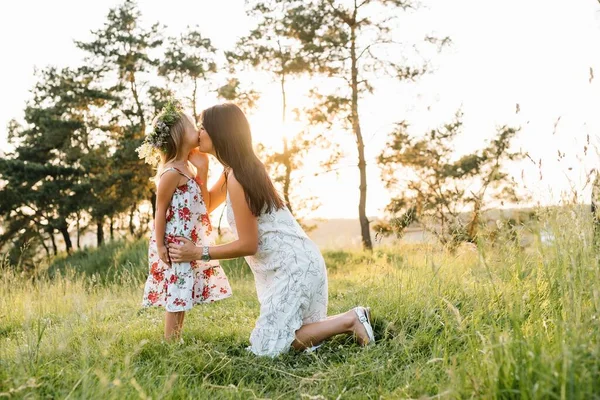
x: 136, y: 98
x: 362, y: 165
x: 287, y: 163
x: 131, y: 215
x: 63, y: 229
x: 54, y: 248
x: 78, y: 231
x: 112, y: 228
x: 194, y: 94
x: 473, y: 225
x: 100, y: 232
x: 43, y: 242
x: 153, y: 202
x: 286, y: 156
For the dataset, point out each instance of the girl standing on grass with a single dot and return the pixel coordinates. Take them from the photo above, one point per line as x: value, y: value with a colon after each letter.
x: 180, y: 212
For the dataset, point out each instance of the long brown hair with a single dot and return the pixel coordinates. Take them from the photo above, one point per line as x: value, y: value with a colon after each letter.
x: 230, y: 134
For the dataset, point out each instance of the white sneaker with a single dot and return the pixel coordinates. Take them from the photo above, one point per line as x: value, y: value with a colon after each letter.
x: 364, y: 316
x: 313, y: 348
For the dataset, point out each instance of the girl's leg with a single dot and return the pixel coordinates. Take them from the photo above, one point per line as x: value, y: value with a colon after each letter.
x: 172, y: 328
x: 312, y: 334
x: 180, y: 321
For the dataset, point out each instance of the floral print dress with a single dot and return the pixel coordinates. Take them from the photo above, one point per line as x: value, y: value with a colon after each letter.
x: 182, y: 285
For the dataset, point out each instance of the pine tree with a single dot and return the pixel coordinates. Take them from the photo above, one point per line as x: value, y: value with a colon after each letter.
x: 121, y: 51
x: 439, y: 188
x: 189, y: 60
x: 47, y: 185
x: 350, y: 42
x: 268, y: 48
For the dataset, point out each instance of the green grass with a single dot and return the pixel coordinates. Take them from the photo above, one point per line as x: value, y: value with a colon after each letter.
x: 499, y: 322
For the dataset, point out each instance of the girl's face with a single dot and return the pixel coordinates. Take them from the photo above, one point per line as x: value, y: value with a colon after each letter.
x: 190, y: 138
x: 206, y: 145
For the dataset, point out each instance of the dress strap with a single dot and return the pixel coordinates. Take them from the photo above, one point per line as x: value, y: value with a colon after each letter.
x: 176, y: 170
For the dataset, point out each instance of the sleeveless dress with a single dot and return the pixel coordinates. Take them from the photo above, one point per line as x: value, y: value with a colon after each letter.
x: 290, y: 278
x: 182, y: 285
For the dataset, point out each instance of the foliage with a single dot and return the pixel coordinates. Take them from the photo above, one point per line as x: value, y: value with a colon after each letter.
x: 234, y: 91
x: 439, y: 187
x: 48, y: 177
x: 350, y: 43
x: 269, y: 48
x: 189, y: 59
x: 122, y: 50
x: 74, y: 161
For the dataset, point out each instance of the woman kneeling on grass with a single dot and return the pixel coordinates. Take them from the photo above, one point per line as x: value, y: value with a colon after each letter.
x: 289, y: 270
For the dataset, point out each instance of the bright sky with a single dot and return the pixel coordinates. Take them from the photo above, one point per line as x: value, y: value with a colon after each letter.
x: 537, y: 53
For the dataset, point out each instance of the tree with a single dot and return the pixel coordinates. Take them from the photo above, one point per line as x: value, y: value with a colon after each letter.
x: 442, y: 188
x: 189, y: 58
x: 350, y: 41
x: 28, y: 204
x: 286, y: 167
x: 85, y: 102
x: 124, y: 47
x: 47, y: 184
x: 122, y: 50
x: 267, y: 47
x: 233, y: 91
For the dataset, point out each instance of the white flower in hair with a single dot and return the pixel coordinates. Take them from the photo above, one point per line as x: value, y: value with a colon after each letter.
x: 148, y: 153
x: 157, y: 138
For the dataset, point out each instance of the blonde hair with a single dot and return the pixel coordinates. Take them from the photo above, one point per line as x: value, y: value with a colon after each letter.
x: 174, y: 142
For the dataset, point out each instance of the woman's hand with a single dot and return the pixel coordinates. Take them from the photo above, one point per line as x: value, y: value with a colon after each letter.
x: 163, y: 254
x: 184, y: 252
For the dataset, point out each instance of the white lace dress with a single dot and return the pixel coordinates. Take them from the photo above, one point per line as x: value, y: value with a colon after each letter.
x: 291, y: 281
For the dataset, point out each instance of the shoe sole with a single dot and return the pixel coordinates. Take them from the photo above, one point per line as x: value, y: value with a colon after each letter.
x: 367, y: 311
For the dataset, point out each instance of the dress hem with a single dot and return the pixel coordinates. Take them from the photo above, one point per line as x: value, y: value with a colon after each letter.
x: 194, y: 303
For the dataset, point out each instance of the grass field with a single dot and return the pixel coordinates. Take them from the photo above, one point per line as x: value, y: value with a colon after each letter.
x: 496, y: 322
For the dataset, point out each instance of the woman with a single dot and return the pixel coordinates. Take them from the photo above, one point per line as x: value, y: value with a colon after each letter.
x: 289, y: 271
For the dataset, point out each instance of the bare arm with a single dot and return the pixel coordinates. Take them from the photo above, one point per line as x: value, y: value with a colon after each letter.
x: 214, y: 197
x: 200, y: 162
x: 166, y: 186
x: 247, y: 227
x: 246, y: 222
x: 217, y: 194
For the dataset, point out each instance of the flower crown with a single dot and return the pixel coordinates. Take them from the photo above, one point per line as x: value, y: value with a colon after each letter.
x: 156, y: 139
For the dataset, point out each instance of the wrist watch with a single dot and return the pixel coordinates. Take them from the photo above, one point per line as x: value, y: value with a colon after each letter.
x: 205, y: 255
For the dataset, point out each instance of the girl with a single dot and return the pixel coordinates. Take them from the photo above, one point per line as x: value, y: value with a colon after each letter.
x: 180, y: 211
x: 289, y: 271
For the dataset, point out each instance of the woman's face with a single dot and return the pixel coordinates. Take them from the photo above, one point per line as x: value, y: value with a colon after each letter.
x: 205, y: 144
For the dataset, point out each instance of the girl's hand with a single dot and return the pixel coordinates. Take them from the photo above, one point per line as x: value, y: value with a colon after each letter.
x: 183, y: 250
x: 163, y: 254
x: 198, y: 159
